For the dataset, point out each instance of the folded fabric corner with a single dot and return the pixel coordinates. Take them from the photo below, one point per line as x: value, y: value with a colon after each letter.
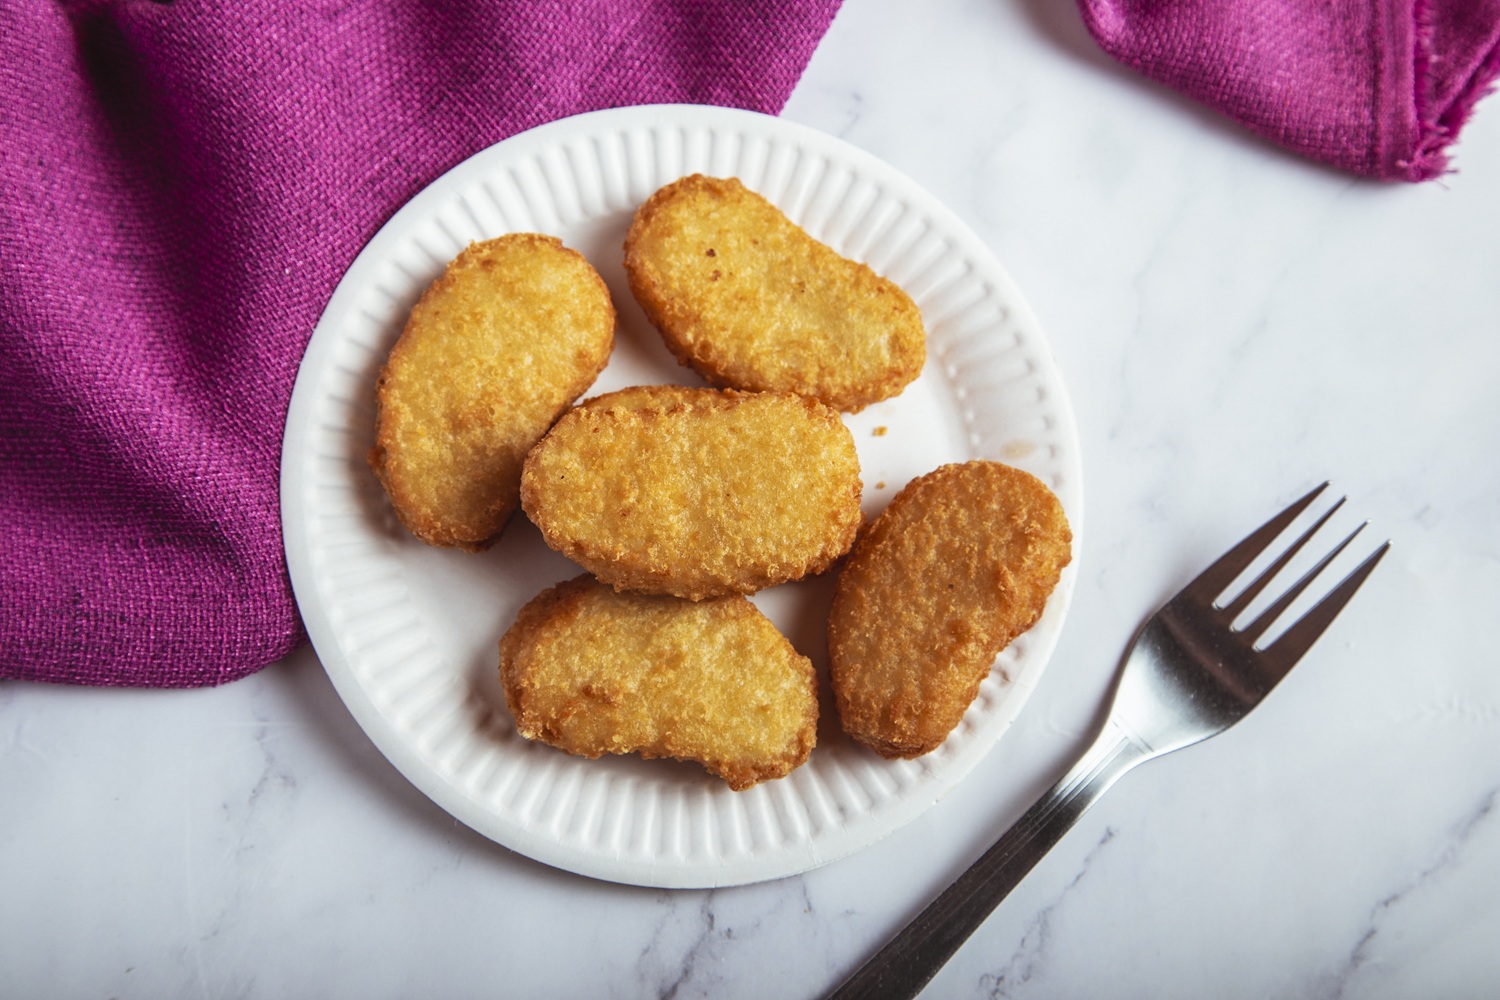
x: 1379, y: 89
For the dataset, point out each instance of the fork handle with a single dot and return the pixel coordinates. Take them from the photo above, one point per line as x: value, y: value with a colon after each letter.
x: 908, y: 963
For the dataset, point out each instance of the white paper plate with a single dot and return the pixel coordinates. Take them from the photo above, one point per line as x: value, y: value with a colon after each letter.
x: 409, y: 634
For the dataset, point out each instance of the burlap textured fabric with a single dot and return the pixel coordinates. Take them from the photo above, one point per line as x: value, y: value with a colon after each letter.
x: 1379, y: 88
x: 181, y: 186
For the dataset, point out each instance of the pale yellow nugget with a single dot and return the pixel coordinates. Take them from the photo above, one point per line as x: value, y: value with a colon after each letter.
x: 959, y: 564
x: 749, y: 300
x: 511, y: 333
x: 592, y: 671
x: 718, y: 492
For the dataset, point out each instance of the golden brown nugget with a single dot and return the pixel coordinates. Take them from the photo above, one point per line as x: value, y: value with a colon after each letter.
x: 721, y: 492
x: 651, y: 397
x: 959, y: 564
x: 512, y: 332
x: 747, y: 299
x: 593, y: 671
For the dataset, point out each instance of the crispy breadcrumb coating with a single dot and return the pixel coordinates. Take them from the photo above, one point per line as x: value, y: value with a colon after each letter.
x: 959, y: 564
x: 593, y: 671
x: 511, y: 333
x: 746, y: 298
x: 711, y: 492
x: 648, y: 397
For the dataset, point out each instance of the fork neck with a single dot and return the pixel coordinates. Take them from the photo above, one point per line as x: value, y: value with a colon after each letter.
x: 1113, y: 752
x: 910, y: 961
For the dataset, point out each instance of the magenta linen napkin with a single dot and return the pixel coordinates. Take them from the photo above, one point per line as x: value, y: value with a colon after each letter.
x: 181, y: 186
x: 1375, y: 87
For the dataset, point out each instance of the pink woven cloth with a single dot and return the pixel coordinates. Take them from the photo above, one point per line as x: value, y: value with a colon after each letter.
x: 1375, y: 87
x: 181, y: 186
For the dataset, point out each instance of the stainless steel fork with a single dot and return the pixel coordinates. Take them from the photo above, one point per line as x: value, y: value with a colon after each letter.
x: 1190, y: 674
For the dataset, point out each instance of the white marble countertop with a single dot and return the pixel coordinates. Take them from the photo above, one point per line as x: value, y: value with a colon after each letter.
x: 1234, y: 325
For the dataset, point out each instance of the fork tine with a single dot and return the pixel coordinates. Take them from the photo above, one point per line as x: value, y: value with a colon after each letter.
x: 1289, y: 647
x: 1213, y: 581
x: 1256, y: 628
x: 1233, y: 608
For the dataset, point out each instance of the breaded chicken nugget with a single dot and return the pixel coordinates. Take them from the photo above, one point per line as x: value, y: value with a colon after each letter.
x: 958, y: 565
x: 652, y: 397
x: 511, y: 333
x: 720, y: 492
x: 593, y: 671
x: 749, y: 300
